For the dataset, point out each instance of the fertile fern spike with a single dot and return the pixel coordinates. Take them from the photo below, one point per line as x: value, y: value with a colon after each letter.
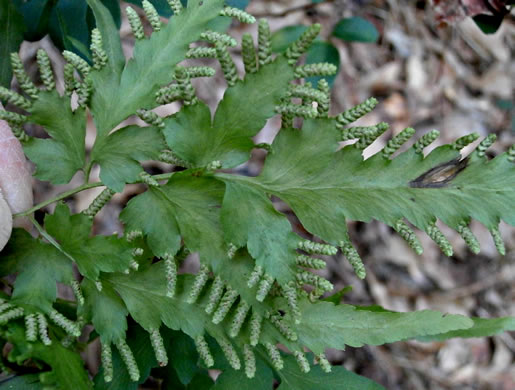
x: 302, y: 361
x: 11, y: 315
x: 264, y: 287
x: 498, y: 241
x: 151, y: 118
x: 356, y: 112
x: 315, y: 280
x: 353, y: 257
x: 97, y: 50
x: 169, y: 94
x: 232, y: 248
x: 167, y: 156
x: 296, y: 110
x: 45, y: 70
x: 461, y: 142
x: 5, y: 306
x: 43, y: 329
x: 31, y: 327
x: 217, y: 290
x: 133, y: 235
x: 325, y: 103
x: 485, y: 144
x: 426, y: 140
x: 396, y: 142
x: 283, y: 328
x: 138, y: 252
x: 290, y: 293
x: 310, y: 262
x: 134, y: 264
x: 148, y: 179
x: 238, y: 14
x: 312, y: 70
x: 23, y: 79
x: 69, y: 79
x: 128, y: 359
x: 77, y: 62
x: 250, y: 361
x: 256, y: 320
x: 203, y: 351
x: 239, y: 318
x: 107, y: 362
x: 227, y: 64
x: 14, y: 98
x: 77, y: 292
x: 438, y: 237
x: 324, y: 363
x: 84, y: 91
x: 200, y: 71
x: 307, y: 93
x: 99, y: 202
x: 511, y: 154
x: 171, y: 274
x: 201, y: 52
x: 176, y: 6
x: 255, y: 276
x: 300, y: 46
x: 135, y: 23
x: 264, y: 43
x: 248, y: 52
x: 368, y: 137
x: 183, y: 81
x: 98, y: 285
x: 230, y: 353
x: 152, y: 15
x: 69, y: 326
x: 275, y: 356
x: 225, y: 305
x: 159, y: 348
x: 409, y: 235
x: 215, y: 37
x: 198, y: 284
x: 19, y: 133
x: 316, y: 248
x: 468, y: 237
x: 13, y: 118
x: 211, y: 167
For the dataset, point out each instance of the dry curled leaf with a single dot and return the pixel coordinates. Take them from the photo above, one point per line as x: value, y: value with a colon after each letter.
x: 454, y: 11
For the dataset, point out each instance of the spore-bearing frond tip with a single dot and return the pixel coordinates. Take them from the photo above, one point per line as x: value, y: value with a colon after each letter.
x: 300, y: 46
x: 240, y: 15
x: 356, y: 112
x: 152, y: 15
x: 311, y: 70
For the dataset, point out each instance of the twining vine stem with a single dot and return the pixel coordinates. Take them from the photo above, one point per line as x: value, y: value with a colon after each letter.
x: 87, y: 186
